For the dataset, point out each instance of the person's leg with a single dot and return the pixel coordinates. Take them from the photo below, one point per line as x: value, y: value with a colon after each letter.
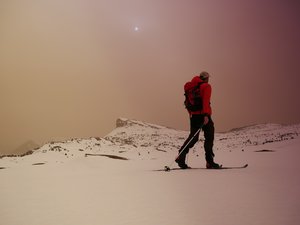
x: 195, y: 124
x: 209, y: 134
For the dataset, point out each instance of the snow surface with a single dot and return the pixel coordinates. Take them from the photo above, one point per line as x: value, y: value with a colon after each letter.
x: 113, y: 180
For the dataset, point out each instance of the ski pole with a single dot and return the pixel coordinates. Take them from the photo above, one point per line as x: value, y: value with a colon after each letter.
x: 167, y: 168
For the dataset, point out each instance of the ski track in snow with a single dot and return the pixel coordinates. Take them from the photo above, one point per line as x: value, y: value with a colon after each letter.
x: 112, y: 180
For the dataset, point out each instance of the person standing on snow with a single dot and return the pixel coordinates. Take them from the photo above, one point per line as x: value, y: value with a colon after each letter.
x: 200, y: 119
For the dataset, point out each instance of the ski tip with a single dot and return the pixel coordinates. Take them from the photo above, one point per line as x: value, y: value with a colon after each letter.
x: 167, y: 169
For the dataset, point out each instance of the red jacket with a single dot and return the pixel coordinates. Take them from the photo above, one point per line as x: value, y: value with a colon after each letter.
x: 205, y: 93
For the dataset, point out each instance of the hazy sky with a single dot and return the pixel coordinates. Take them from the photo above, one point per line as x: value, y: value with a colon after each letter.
x: 70, y: 68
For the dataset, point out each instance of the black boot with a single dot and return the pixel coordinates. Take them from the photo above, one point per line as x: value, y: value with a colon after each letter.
x: 181, y: 161
x: 212, y: 165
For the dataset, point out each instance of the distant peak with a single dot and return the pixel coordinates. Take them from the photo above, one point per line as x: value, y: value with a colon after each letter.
x: 262, y: 126
x: 123, y: 122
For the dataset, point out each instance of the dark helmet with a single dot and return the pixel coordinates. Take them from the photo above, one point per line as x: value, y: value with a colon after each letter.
x: 204, y: 75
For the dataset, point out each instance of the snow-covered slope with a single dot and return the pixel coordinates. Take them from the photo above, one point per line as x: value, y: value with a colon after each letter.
x: 114, y: 180
x: 133, y: 139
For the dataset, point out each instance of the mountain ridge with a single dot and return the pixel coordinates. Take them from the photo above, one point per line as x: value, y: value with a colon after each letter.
x: 133, y: 139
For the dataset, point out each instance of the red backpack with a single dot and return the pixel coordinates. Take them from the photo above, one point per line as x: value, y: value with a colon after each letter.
x: 193, y: 101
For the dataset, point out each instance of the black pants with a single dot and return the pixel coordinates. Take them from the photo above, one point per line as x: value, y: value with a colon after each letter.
x: 196, y: 121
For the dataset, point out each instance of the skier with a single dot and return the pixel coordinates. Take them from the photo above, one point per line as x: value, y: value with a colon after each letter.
x: 200, y: 119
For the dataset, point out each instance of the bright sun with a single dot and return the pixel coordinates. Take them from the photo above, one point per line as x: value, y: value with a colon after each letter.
x: 136, y: 28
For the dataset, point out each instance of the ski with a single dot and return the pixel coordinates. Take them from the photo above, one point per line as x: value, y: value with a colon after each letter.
x: 167, y: 169
x: 234, y: 167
